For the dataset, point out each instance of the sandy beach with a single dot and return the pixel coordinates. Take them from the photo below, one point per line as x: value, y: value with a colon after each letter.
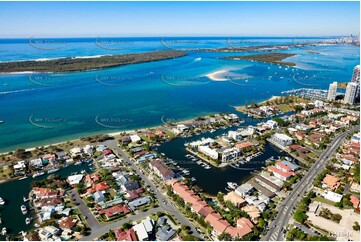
x: 218, y: 75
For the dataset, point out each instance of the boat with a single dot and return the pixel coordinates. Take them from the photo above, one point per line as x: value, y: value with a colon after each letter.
x: 2, y: 202
x: 1, y: 121
x: 24, y: 210
x: 207, y: 167
x: 25, y: 199
x: 193, y: 179
x: 27, y: 221
x: 1, y: 221
x: 38, y: 174
x: 232, y: 185
x: 3, y: 231
x: 82, y: 171
x: 22, y: 178
x: 53, y: 170
x: 77, y: 163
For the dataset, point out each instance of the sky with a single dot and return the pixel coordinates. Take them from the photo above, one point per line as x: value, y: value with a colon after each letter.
x: 132, y: 19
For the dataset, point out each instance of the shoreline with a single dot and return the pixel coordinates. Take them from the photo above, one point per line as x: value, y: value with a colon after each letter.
x: 242, y: 108
x: 115, y: 133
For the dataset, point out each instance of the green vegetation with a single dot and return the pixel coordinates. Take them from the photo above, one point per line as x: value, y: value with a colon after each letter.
x: 84, y: 64
x: 297, y: 234
x: 300, y: 213
x: 327, y: 214
x: 275, y: 58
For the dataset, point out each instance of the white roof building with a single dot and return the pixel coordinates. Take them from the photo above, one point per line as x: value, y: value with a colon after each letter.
x: 75, y: 151
x: 135, y: 138
x: 334, y: 197
x: 75, y: 179
x: 144, y: 228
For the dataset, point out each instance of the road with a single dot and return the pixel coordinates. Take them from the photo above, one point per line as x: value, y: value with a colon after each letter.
x: 164, y: 202
x: 278, y: 226
x: 88, y: 215
x: 104, y: 228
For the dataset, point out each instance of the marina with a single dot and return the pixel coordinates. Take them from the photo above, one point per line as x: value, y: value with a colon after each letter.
x: 176, y: 152
x: 15, y: 200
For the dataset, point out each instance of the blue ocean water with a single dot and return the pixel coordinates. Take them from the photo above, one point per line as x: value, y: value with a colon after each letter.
x: 38, y: 109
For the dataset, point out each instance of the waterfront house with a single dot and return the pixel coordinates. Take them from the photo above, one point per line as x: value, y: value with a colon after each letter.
x: 20, y: 166
x: 267, y: 184
x: 41, y: 193
x: 234, y: 198
x: 281, y: 139
x: 88, y: 149
x: 230, y: 154
x: 90, y: 179
x: 75, y: 179
x: 76, y: 152
x: 37, y: 163
x: 285, y: 176
x: 212, y: 153
x: 49, y: 158
x: 244, y: 145
x: 62, y: 155
x: 122, y: 235
x: 244, y: 189
x: 161, y: 169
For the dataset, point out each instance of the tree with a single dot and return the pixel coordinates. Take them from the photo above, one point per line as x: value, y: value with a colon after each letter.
x: 356, y: 226
x: 225, y: 236
x: 300, y: 217
x: 253, y: 104
x: 21, y: 153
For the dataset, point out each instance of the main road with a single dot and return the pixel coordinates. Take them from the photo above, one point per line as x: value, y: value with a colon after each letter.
x: 164, y: 202
x: 278, y: 226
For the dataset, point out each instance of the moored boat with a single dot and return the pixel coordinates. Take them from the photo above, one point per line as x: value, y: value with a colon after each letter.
x: 38, y: 174
x: 53, y: 170
x: 2, y: 202
x: 24, y: 210
x: 27, y: 221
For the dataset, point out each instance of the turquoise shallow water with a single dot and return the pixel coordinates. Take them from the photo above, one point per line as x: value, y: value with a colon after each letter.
x: 38, y: 109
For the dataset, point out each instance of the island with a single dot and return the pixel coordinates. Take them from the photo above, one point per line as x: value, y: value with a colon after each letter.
x: 72, y: 64
x: 275, y: 58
